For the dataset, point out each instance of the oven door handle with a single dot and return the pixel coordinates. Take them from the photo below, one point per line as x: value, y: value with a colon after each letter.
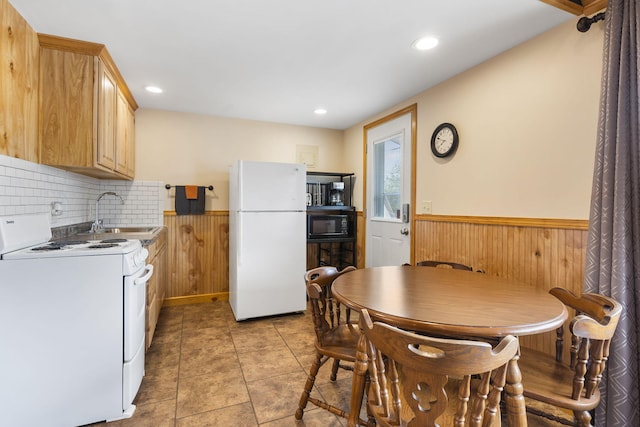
x: 145, y: 278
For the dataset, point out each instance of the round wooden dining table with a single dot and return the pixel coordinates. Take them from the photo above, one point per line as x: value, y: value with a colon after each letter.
x: 452, y: 303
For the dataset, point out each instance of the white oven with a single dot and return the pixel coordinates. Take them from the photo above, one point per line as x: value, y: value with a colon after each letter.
x: 135, y: 291
x: 72, y: 325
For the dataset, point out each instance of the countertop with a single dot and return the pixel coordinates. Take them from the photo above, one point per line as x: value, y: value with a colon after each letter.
x: 147, y: 235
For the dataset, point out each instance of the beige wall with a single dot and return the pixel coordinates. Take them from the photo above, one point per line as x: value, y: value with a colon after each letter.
x: 186, y: 149
x: 527, y: 121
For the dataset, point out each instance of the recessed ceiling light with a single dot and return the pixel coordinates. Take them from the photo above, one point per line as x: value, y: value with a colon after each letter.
x: 153, y: 89
x: 320, y: 111
x: 425, y: 43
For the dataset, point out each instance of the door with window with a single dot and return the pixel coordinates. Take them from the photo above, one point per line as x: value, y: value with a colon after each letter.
x: 390, y: 144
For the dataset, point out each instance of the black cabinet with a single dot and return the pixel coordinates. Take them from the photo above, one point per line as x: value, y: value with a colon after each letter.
x: 331, y: 220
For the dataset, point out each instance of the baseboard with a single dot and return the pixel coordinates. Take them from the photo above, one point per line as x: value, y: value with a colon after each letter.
x: 196, y: 299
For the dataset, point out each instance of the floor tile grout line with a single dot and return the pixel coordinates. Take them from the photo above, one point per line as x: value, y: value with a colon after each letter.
x: 244, y: 379
x: 175, y: 410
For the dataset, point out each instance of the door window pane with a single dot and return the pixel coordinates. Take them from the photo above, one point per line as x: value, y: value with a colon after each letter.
x: 387, y: 160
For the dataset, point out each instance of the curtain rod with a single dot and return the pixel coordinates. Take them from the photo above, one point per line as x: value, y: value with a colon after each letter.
x: 585, y: 23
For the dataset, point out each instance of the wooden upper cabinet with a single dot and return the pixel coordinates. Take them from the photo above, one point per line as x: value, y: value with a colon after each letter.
x: 18, y: 85
x: 125, y: 137
x: 86, y: 110
x: 107, y: 97
x: 583, y: 7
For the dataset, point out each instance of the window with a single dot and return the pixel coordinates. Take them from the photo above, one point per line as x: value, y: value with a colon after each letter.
x: 387, y: 158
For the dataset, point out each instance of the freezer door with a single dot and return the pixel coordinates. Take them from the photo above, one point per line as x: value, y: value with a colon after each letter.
x: 265, y: 186
x: 270, y: 264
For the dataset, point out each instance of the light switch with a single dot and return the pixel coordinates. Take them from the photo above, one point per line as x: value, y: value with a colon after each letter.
x: 426, y: 206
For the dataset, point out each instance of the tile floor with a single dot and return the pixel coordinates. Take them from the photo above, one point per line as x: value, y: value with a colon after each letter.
x: 205, y: 369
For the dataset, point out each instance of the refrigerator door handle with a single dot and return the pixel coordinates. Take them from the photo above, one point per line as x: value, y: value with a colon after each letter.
x: 240, y: 187
x: 239, y: 238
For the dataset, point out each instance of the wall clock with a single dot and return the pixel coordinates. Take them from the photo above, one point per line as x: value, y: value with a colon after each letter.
x: 444, y: 140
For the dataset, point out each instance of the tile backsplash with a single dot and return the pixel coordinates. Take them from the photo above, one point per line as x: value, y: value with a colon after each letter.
x: 27, y: 187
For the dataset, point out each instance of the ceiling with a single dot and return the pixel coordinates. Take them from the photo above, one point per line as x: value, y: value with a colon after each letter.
x: 278, y: 60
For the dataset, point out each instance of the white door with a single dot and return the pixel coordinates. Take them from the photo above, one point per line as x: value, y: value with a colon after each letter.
x: 390, y: 145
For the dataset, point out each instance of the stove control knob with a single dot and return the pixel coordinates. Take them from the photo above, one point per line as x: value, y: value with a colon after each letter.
x: 141, y: 257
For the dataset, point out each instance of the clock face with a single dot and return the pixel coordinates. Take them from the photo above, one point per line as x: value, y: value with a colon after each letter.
x: 444, y: 140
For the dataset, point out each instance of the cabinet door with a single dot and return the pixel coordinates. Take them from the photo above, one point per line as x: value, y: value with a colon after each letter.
x: 131, y: 141
x: 67, y: 90
x: 106, y: 148
x: 18, y: 85
x: 125, y: 134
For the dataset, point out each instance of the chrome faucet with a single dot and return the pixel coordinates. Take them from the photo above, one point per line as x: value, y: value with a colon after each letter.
x: 97, y: 224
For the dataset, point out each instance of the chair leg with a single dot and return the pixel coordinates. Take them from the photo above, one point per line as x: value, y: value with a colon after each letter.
x: 334, y: 369
x: 311, y: 379
x: 583, y: 418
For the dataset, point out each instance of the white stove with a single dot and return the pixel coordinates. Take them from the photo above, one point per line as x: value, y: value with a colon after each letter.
x: 72, y: 325
x: 27, y: 236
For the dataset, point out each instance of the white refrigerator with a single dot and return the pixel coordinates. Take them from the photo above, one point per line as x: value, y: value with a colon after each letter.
x: 267, y: 238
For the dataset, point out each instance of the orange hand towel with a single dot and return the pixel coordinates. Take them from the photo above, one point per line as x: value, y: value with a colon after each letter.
x: 191, y: 192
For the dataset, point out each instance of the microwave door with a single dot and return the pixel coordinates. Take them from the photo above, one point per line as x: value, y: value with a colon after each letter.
x: 323, y: 226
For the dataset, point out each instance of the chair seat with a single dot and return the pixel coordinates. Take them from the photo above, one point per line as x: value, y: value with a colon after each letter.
x: 340, y: 342
x: 546, y: 380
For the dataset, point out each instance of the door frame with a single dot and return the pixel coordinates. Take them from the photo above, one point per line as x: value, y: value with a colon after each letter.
x: 413, y: 110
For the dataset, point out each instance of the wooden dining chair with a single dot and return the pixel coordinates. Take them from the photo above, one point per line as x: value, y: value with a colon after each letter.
x: 336, y: 334
x: 446, y: 264
x: 570, y: 381
x: 443, y: 264
x: 408, y: 374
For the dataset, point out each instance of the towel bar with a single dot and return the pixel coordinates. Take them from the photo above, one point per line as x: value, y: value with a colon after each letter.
x: 167, y: 186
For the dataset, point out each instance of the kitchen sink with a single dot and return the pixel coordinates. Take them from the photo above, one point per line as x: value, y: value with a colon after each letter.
x: 129, y: 230
x: 141, y: 233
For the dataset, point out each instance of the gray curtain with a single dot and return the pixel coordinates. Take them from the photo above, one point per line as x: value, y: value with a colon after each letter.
x: 613, y: 250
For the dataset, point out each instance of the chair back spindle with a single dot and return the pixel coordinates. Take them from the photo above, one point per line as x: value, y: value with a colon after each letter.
x: 408, y: 374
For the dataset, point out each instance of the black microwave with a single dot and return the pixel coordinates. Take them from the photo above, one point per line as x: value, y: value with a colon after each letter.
x: 327, y: 226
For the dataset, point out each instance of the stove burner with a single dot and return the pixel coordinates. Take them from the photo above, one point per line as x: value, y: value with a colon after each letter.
x: 49, y: 247
x: 102, y: 246
x: 55, y: 246
x: 113, y: 241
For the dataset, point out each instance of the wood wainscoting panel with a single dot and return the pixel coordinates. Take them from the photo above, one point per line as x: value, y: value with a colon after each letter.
x: 360, y: 239
x: 198, y: 253
x: 535, y: 254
